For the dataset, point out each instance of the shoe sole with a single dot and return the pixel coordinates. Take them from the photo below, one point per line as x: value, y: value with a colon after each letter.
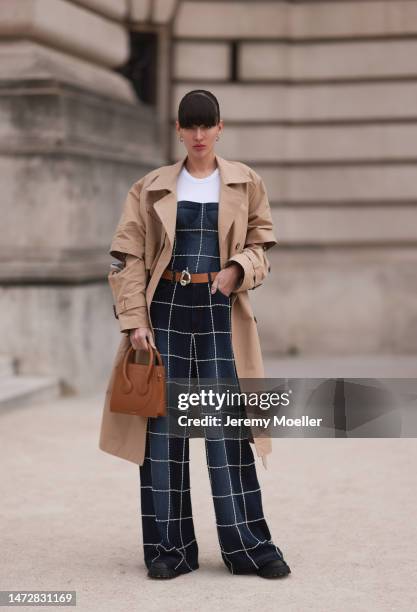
x: 256, y: 572
x: 278, y: 575
x: 168, y: 573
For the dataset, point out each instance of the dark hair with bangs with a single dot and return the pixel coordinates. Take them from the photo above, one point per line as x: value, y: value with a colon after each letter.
x: 198, y: 107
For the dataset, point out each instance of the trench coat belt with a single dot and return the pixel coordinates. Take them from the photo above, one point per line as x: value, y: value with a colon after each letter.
x: 186, y: 277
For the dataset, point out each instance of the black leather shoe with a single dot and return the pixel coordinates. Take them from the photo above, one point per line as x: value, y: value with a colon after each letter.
x: 159, y: 569
x: 274, y: 569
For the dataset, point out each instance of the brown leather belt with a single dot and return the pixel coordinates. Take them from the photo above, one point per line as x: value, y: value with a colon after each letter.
x: 185, y: 277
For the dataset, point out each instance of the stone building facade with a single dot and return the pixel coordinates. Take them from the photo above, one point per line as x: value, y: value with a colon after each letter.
x: 318, y: 97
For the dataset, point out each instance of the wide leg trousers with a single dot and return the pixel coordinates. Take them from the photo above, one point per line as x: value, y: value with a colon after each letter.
x: 193, y: 334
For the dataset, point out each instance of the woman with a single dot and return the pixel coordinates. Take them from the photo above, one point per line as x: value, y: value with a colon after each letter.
x: 189, y: 321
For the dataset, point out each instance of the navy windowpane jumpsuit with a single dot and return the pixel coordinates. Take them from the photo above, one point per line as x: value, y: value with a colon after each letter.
x: 193, y: 334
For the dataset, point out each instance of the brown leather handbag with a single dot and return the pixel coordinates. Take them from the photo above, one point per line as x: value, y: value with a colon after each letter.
x: 139, y: 388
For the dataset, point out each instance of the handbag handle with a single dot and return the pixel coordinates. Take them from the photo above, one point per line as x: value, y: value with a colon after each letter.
x: 130, y: 351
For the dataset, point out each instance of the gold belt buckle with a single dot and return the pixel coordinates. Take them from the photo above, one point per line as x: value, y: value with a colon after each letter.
x: 185, y: 281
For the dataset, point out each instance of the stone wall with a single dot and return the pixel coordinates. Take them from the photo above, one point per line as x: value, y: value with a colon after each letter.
x: 74, y: 138
x: 318, y: 97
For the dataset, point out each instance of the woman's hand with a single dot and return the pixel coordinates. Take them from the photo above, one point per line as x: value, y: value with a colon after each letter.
x: 140, y: 337
x: 227, y: 280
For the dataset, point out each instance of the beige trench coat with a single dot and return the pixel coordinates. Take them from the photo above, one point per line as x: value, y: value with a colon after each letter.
x: 144, y: 240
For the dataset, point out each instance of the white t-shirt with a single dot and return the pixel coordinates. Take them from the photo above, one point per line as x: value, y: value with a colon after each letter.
x: 194, y: 189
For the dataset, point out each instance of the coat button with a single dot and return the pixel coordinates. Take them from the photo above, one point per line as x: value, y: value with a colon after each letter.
x: 237, y: 245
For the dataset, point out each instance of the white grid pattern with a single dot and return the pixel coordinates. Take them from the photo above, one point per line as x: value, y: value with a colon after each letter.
x: 234, y: 503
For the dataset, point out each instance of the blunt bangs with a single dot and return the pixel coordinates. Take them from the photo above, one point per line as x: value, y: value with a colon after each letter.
x: 198, y: 109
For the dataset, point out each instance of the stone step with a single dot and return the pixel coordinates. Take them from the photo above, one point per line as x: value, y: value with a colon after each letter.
x: 6, y: 365
x: 348, y: 366
x: 19, y: 391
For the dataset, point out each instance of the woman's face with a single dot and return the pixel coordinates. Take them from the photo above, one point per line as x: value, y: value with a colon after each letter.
x: 199, y: 140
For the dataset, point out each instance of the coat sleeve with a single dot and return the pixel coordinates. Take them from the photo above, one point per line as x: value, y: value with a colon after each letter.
x: 259, y: 238
x: 128, y: 285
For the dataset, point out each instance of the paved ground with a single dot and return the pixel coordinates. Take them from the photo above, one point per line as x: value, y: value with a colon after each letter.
x: 343, y: 512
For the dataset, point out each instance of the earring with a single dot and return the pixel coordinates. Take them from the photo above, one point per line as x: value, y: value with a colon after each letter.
x: 181, y: 139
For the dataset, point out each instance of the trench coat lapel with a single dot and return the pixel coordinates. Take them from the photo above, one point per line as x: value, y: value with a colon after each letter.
x: 229, y: 201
